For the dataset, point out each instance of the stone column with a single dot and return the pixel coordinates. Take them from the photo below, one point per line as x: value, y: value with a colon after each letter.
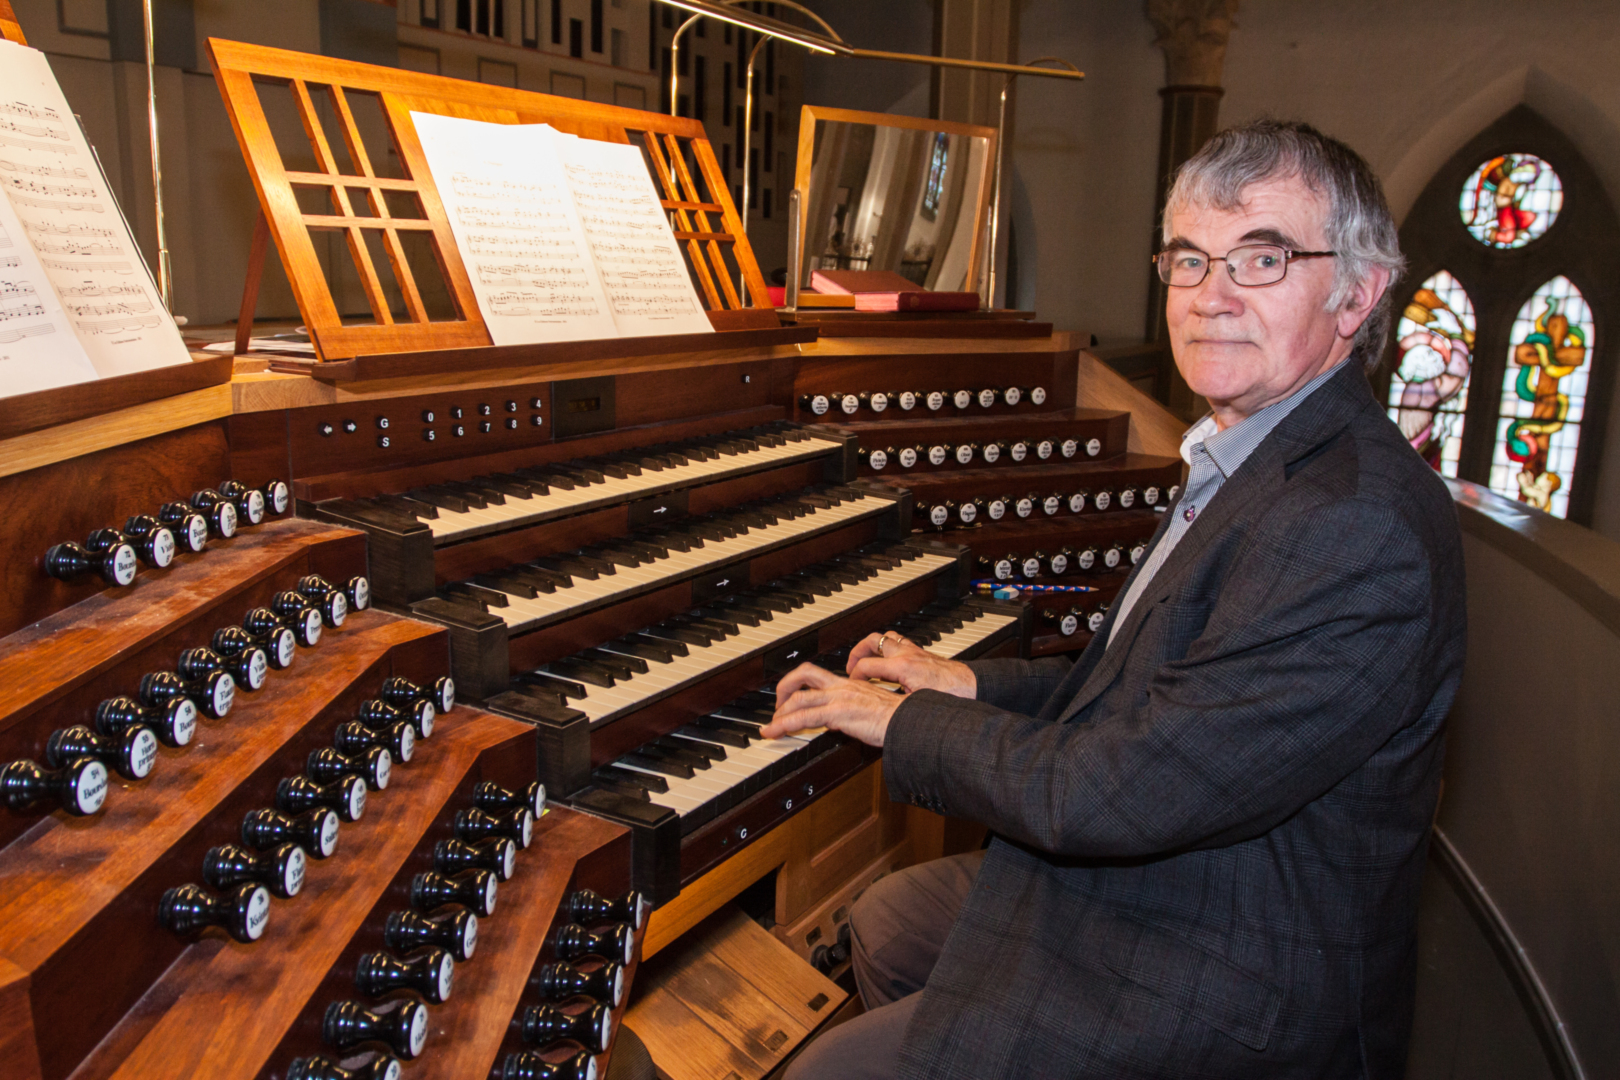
x: 1193, y: 35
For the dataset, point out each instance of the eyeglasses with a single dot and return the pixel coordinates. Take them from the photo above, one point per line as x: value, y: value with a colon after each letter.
x: 1249, y: 265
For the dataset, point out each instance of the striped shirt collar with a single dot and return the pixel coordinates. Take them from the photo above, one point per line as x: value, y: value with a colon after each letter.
x: 1229, y: 449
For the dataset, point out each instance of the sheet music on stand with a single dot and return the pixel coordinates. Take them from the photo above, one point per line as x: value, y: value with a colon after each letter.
x: 76, y: 300
x: 564, y: 238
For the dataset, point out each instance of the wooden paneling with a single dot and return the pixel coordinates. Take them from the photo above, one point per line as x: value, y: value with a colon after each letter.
x: 66, y: 442
x: 66, y: 404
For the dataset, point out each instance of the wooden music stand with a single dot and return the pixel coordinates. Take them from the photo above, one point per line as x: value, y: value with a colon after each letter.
x: 355, y: 198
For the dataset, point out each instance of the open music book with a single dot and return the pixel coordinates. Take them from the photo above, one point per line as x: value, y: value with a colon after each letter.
x: 77, y: 301
x: 563, y: 238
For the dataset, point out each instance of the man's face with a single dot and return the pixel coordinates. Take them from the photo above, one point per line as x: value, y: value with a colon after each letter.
x: 1245, y: 348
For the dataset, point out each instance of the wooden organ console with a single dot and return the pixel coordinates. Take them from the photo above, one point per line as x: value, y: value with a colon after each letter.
x: 379, y: 715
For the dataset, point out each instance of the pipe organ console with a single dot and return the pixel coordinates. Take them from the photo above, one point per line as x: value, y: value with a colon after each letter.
x: 398, y: 744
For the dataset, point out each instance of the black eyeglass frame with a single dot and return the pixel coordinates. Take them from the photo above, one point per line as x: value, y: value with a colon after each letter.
x: 1289, y: 256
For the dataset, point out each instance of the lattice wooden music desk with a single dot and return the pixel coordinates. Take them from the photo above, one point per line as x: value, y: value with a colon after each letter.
x: 291, y: 111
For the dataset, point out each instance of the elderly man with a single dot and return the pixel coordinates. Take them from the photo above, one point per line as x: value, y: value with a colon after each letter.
x: 1210, y: 830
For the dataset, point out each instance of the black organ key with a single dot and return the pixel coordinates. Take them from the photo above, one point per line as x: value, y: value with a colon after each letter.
x: 374, y: 766
x: 419, y: 714
x: 706, y: 751
x: 592, y: 909
x: 353, y: 737
x: 717, y: 734
x: 583, y: 671
x: 132, y: 752
x: 568, y: 688
x: 473, y: 889
x: 660, y: 765
x: 477, y: 595
x: 506, y: 583
x: 218, y: 511
x: 402, y: 1026
x: 346, y: 796
x: 380, y: 1067
x: 622, y: 667
x: 189, y: 528
x: 498, y: 856
x: 615, y: 942
x: 243, y: 912
x: 116, y: 565
x: 456, y: 932
x: 592, y: 1028
x: 656, y: 650
x: 316, y: 831
x: 527, y: 1065
x: 561, y: 981
x: 80, y: 787
x: 174, y: 721
x: 494, y: 798
x: 428, y: 971
x: 516, y: 825
x: 622, y: 777
x: 281, y: 869
x: 152, y: 540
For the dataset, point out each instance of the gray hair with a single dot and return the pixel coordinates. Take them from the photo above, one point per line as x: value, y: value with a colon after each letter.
x: 1359, y: 225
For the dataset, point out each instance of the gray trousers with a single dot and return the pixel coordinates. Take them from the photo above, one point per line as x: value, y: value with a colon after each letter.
x: 897, y: 929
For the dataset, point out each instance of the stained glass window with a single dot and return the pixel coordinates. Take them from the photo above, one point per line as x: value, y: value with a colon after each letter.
x: 1429, y: 391
x: 1544, y: 398
x: 1510, y: 200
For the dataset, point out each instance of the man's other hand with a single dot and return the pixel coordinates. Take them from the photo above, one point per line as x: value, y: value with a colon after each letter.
x: 897, y: 660
x: 813, y: 697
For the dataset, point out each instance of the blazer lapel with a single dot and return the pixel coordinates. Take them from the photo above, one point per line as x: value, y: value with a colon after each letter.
x: 1313, y: 423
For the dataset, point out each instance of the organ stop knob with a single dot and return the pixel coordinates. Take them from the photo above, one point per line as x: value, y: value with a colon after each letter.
x: 592, y: 1028
x: 429, y: 971
x: 472, y: 889
x: 531, y: 1066
x: 381, y: 1067
x: 281, y: 869
x: 616, y: 942
x: 242, y: 913
x: 80, y: 788
x: 316, y: 832
x: 593, y: 909
x: 401, y: 1026
x: 455, y: 932
x: 132, y: 753
x: 560, y: 981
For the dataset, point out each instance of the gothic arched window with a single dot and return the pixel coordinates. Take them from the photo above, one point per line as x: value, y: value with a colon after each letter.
x: 1508, y: 296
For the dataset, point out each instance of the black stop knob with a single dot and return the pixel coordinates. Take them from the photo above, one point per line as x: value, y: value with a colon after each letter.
x: 402, y: 1027
x: 213, y: 696
x: 352, y: 738
x: 281, y: 869
x: 377, y: 713
x: 279, y: 646
x: 455, y: 932
x: 249, y: 504
x: 80, y: 787
x: 132, y: 752
x: 303, y: 619
x: 573, y: 941
x: 594, y: 909
x: 528, y: 1065
x: 153, y: 541
x: 174, y: 721
x: 374, y: 766
x: 429, y: 971
x: 248, y: 668
x: 242, y: 913
x: 498, y: 856
x: 397, y: 690
x: 542, y: 1024
x: 472, y: 889
x: 515, y: 825
x: 116, y: 565
x: 218, y: 511
x: 267, y: 630
x: 488, y: 795
x: 381, y: 1067
x: 558, y: 982
x: 316, y: 832
x: 332, y: 602
x: 346, y: 796
x: 190, y: 528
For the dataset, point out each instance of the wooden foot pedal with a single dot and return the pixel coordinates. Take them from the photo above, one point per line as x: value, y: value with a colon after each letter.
x: 728, y: 1002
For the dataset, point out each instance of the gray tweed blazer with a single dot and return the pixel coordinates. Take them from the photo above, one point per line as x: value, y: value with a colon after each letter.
x: 1210, y: 836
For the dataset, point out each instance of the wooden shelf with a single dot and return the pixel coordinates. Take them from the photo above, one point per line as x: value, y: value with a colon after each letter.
x: 842, y: 322
x: 56, y: 926
x: 453, y: 362
x: 170, y: 1032
x: 64, y: 404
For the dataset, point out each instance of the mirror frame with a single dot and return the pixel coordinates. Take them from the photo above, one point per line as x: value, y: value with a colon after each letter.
x: 809, y: 114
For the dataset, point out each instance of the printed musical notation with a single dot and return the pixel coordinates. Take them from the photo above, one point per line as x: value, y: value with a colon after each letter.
x: 75, y: 299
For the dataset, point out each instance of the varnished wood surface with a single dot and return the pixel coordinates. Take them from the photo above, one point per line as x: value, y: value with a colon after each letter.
x: 77, y: 438
x: 64, y: 404
x: 447, y: 363
x: 76, y: 646
x: 254, y: 992
x: 470, y: 1029
x: 100, y: 915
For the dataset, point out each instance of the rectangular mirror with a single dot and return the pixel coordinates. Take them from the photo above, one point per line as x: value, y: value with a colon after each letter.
x: 898, y: 193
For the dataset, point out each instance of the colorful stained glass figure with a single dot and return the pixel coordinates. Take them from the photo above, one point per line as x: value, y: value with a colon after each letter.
x: 1544, y: 398
x: 1510, y: 200
x: 1429, y: 391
